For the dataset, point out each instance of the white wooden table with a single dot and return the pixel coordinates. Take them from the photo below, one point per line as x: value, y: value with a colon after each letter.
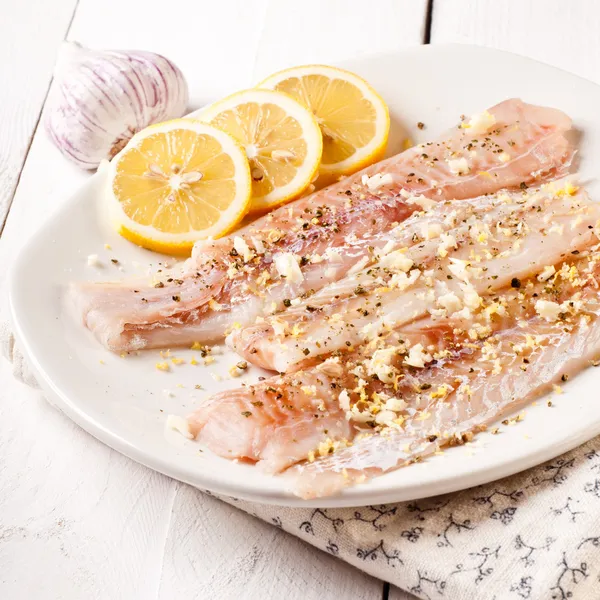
x: 78, y: 520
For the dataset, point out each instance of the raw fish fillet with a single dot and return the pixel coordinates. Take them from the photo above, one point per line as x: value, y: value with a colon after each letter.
x: 325, y: 235
x: 517, y: 344
x: 504, y: 239
x: 487, y: 391
x: 279, y: 421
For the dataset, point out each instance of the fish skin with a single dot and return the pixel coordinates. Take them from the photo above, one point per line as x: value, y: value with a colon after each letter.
x: 336, y: 317
x: 180, y: 312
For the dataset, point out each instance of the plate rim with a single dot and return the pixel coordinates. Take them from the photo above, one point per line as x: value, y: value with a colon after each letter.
x: 360, y: 495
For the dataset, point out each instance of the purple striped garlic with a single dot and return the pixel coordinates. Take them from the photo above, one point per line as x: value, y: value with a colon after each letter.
x: 100, y: 99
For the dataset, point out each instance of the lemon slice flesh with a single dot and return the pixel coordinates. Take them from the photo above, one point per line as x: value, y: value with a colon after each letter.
x: 353, y: 118
x: 281, y: 138
x: 176, y: 183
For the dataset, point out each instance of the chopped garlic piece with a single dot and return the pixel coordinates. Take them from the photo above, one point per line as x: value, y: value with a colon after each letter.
x: 360, y: 417
x: 344, y: 400
x: 376, y: 181
x: 480, y: 123
x: 448, y: 242
x: 546, y: 273
x: 431, y: 231
x: 464, y: 313
x: 279, y: 327
x: 389, y: 246
x: 402, y: 281
x: 258, y: 245
x: 385, y: 417
x: 287, y: 266
x: 548, y: 310
x: 422, y: 201
x: 417, y: 357
x: 380, y: 365
x: 459, y: 166
x: 242, y: 248
x: 395, y: 404
x: 504, y: 157
x: 93, y: 261
x: 397, y: 261
x: 471, y: 298
x: 458, y: 268
x: 451, y: 302
x: 179, y: 424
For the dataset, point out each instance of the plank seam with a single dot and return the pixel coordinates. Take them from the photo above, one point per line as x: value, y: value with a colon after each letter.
x: 428, y: 22
x: 386, y: 591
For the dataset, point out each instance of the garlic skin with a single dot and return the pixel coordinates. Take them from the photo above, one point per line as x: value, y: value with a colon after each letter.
x: 100, y: 99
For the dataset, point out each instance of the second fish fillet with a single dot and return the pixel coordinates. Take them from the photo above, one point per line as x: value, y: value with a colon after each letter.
x: 404, y: 396
x: 516, y: 235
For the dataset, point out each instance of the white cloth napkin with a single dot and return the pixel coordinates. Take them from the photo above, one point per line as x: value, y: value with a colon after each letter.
x: 534, y: 535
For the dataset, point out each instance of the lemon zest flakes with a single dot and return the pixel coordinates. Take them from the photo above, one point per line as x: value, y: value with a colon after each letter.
x: 442, y: 391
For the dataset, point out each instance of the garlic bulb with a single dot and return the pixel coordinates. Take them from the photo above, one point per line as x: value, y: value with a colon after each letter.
x: 100, y: 99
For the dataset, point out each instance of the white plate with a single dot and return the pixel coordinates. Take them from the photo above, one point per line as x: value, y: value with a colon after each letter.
x: 122, y: 401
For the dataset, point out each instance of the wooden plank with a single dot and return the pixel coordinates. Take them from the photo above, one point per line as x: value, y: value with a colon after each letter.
x: 216, y: 551
x: 77, y: 520
x: 102, y: 524
x: 561, y: 33
x: 326, y: 32
x: 25, y: 73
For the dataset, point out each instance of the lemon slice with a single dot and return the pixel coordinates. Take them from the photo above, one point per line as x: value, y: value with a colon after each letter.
x: 281, y: 138
x: 354, y: 119
x: 176, y: 183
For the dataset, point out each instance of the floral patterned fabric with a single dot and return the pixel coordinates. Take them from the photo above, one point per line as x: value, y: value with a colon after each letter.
x: 534, y: 535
